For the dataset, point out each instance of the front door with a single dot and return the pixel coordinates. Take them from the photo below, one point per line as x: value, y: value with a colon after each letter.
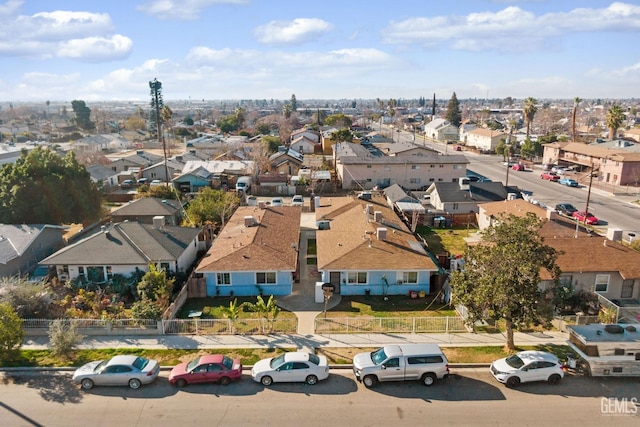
x: 334, y: 279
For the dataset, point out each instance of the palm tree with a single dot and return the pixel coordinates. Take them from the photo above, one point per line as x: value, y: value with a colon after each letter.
x: 232, y: 313
x: 267, y: 310
x: 615, y: 117
x: 576, y: 101
x: 239, y: 115
x: 529, y: 112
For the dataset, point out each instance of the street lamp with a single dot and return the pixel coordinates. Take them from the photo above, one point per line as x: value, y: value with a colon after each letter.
x: 508, y: 148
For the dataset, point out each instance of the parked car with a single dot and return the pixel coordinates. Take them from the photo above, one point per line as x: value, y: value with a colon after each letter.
x: 127, y: 183
x: 528, y: 366
x: 125, y: 370
x: 568, y: 182
x: 297, y: 200
x: 155, y: 183
x: 518, y: 167
x: 590, y: 220
x: 559, y: 170
x: 295, y: 366
x: 143, y: 181
x: 551, y: 176
x: 277, y: 201
x: 566, y: 209
x: 208, y: 368
x: 423, y: 362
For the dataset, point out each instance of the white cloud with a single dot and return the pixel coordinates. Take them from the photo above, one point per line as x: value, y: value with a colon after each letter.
x: 77, y: 35
x: 298, y: 31
x: 181, y: 9
x: 510, y: 27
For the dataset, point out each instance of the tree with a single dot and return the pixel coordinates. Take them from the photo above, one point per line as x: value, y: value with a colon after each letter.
x: 155, y: 120
x: 240, y: 117
x: 286, y: 111
x: 228, y: 124
x: 135, y: 122
x: 615, y: 117
x: 65, y: 191
x: 212, y: 206
x: 63, y: 337
x: 29, y: 300
x: 576, y: 102
x: 338, y: 119
x: 267, y: 310
x: 263, y: 128
x: 270, y: 144
x: 156, y: 286
x: 11, y: 333
x: 232, y: 312
x: 294, y: 103
x: 529, y: 111
x: 453, y: 114
x: 501, y: 276
x: 343, y: 134
x: 531, y: 148
x: 83, y: 115
x: 146, y: 309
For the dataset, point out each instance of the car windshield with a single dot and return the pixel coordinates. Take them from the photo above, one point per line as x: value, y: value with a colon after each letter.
x: 277, y: 361
x: 314, y: 359
x: 193, y: 364
x: 140, y: 363
x: 100, y: 366
x: 514, y: 361
x: 378, y: 356
x: 228, y: 362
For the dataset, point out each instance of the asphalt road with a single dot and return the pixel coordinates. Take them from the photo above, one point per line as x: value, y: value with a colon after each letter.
x: 469, y: 397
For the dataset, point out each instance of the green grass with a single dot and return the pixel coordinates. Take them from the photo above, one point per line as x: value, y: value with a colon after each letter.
x: 312, y: 249
x: 396, y: 306
x: 312, y: 261
x: 335, y: 355
x: 441, y: 240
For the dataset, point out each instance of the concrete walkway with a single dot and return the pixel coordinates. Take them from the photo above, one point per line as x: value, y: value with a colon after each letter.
x: 298, y: 341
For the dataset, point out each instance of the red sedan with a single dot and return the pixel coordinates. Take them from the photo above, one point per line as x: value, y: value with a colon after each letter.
x: 550, y: 176
x: 208, y: 368
x: 591, y: 219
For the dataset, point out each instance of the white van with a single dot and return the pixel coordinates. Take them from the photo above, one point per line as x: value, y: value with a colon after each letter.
x: 244, y: 184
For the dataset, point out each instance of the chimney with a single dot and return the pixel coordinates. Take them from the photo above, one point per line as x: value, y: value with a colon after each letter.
x: 614, y: 234
x: 369, y: 209
x: 249, y: 221
x: 377, y: 216
x: 381, y: 233
x: 552, y: 215
x: 158, y: 222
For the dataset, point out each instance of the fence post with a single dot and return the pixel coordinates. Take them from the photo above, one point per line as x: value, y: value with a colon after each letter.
x: 162, y: 326
x: 413, y: 328
x: 380, y: 324
x: 347, y: 325
x: 447, y: 325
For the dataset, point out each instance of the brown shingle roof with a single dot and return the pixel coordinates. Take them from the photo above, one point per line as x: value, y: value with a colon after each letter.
x: 270, y: 245
x: 351, y: 242
x: 517, y: 207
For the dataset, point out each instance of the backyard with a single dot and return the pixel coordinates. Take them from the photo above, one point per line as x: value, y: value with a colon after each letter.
x: 441, y: 240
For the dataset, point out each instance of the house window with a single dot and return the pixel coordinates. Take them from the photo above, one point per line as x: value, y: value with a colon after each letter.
x: 81, y: 271
x: 223, y: 279
x: 357, y: 277
x: 455, y: 207
x: 410, y: 277
x: 164, y: 266
x: 415, y: 166
x: 387, y: 167
x: 431, y: 179
x: 433, y: 166
x: 368, y: 166
x: 439, y: 179
x: 457, y: 166
x: 627, y: 289
x: 566, y: 280
x: 602, y: 282
x: 95, y: 274
x: 414, y: 180
x: 109, y: 272
x: 268, y: 277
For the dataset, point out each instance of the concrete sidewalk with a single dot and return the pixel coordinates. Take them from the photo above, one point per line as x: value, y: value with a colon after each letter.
x: 298, y: 341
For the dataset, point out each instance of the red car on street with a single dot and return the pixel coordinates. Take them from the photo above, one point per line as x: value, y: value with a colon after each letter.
x: 591, y: 219
x: 551, y: 176
x: 208, y: 368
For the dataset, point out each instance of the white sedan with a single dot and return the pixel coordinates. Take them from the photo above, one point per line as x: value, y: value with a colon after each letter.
x: 127, y: 370
x: 291, y: 367
x: 528, y: 366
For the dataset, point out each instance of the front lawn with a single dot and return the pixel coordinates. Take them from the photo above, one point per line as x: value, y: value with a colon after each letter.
x: 396, y: 306
x: 213, y: 308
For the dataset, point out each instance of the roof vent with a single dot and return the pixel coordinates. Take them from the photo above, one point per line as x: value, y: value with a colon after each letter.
x: 249, y: 221
x: 381, y: 233
x: 377, y: 216
x: 614, y: 329
x: 463, y: 182
x: 158, y: 222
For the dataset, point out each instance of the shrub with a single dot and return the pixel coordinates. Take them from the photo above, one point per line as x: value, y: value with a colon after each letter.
x: 63, y: 338
x: 146, y: 309
x: 11, y: 333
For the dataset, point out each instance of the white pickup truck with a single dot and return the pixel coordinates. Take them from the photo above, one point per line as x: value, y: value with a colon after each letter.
x: 423, y: 362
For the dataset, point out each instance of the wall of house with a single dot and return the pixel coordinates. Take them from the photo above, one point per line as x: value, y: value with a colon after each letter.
x: 422, y: 175
x: 376, y: 285
x: 188, y: 256
x: 125, y: 270
x: 244, y: 284
x: 482, y: 142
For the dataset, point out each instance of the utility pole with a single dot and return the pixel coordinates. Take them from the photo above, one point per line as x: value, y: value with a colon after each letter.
x: 508, y: 148
x: 586, y: 209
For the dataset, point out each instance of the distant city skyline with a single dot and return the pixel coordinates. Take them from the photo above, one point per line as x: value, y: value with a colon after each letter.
x: 257, y: 49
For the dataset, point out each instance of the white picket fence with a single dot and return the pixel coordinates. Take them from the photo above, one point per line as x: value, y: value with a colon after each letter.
x: 358, y: 325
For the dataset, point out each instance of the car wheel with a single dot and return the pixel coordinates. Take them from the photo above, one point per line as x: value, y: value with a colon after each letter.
x: 428, y: 379
x: 225, y: 380
x: 513, y: 382
x: 134, y: 383
x: 311, y: 380
x: 86, y: 384
x: 554, y: 379
x: 181, y: 382
x: 266, y: 380
x: 370, y: 381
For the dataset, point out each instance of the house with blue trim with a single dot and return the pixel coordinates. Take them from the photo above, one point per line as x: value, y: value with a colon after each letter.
x: 255, y: 253
x: 364, y: 248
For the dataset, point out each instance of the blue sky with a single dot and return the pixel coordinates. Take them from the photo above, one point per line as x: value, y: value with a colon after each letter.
x: 261, y: 49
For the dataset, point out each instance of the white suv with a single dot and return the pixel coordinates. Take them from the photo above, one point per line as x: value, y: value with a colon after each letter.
x: 297, y: 200
x: 528, y: 366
